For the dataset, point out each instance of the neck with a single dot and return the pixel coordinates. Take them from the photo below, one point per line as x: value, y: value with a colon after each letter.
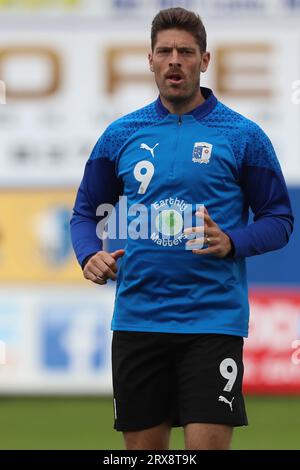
x: 184, y: 106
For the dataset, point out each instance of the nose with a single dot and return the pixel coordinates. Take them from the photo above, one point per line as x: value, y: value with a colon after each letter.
x: 174, y: 60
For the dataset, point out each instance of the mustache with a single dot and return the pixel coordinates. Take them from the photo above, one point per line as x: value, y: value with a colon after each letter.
x: 174, y: 72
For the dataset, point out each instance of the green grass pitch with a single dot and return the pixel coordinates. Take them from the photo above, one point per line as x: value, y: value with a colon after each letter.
x: 87, y: 423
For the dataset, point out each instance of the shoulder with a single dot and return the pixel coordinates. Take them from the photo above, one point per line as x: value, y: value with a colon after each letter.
x: 246, y: 138
x: 233, y: 122
x: 119, y: 131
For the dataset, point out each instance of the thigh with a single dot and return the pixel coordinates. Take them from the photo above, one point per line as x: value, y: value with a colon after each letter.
x: 207, y: 436
x: 155, y: 438
x: 210, y: 375
x: 142, y: 380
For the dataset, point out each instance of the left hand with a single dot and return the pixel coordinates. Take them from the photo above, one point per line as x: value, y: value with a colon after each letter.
x: 219, y: 243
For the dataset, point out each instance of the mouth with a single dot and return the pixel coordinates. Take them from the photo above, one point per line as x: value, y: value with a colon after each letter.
x: 174, y: 78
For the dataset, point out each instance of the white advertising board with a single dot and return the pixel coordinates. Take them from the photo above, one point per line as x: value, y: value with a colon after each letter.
x: 63, y: 93
x: 56, y: 340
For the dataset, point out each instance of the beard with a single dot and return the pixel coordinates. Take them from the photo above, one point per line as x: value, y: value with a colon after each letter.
x: 181, y: 96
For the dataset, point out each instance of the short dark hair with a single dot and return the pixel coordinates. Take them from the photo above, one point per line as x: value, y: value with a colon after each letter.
x: 179, y: 18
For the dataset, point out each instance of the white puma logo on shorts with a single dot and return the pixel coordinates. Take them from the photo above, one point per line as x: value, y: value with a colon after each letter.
x: 221, y: 398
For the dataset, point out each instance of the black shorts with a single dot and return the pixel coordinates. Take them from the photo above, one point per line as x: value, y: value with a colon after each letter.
x: 184, y: 378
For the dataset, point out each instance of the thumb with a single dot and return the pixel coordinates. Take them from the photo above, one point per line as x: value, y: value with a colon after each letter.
x: 118, y: 254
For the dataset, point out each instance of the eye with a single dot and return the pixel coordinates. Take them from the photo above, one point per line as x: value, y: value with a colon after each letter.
x: 163, y: 51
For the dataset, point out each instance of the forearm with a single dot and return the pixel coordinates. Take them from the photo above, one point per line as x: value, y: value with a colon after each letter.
x: 84, y: 237
x: 266, y: 234
x: 99, y: 185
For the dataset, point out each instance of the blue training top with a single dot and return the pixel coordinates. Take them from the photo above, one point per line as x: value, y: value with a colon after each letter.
x: 171, y: 164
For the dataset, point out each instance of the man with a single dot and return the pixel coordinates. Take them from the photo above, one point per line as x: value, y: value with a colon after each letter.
x: 181, y: 312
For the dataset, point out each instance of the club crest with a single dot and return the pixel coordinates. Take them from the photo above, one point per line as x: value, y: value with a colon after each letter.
x: 202, y: 152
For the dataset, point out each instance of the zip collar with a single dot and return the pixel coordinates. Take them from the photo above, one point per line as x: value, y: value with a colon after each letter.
x: 199, y: 112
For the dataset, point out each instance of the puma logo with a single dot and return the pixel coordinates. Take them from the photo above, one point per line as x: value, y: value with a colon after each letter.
x: 151, y: 150
x: 221, y: 398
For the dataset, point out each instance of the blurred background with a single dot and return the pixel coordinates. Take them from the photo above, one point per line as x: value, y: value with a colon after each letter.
x: 67, y: 69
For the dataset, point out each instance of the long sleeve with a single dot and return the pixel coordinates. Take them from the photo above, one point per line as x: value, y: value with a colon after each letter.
x: 100, y: 185
x: 266, y: 194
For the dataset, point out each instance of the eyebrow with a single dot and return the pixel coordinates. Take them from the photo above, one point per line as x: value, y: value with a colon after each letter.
x: 181, y: 46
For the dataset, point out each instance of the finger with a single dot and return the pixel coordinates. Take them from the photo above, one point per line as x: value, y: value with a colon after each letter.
x: 202, y: 210
x: 190, y: 230
x: 205, y: 251
x: 98, y: 280
x: 110, y: 261
x: 196, y: 241
x: 107, y: 273
x: 205, y: 217
x: 206, y: 231
x: 93, y: 278
x: 118, y: 254
x: 99, y: 268
x: 200, y: 214
x: 206, y: 240
x: 209, y: 221
x: 205, y: 210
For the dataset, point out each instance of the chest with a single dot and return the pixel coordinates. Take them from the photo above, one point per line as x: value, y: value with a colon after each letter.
x: 180, y: 157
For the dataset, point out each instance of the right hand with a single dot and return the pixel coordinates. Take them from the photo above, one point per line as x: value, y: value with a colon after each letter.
x: 102, y: 266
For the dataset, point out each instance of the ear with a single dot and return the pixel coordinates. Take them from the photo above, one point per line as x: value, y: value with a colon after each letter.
x: 150, y: 59
x: 205, y: 61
